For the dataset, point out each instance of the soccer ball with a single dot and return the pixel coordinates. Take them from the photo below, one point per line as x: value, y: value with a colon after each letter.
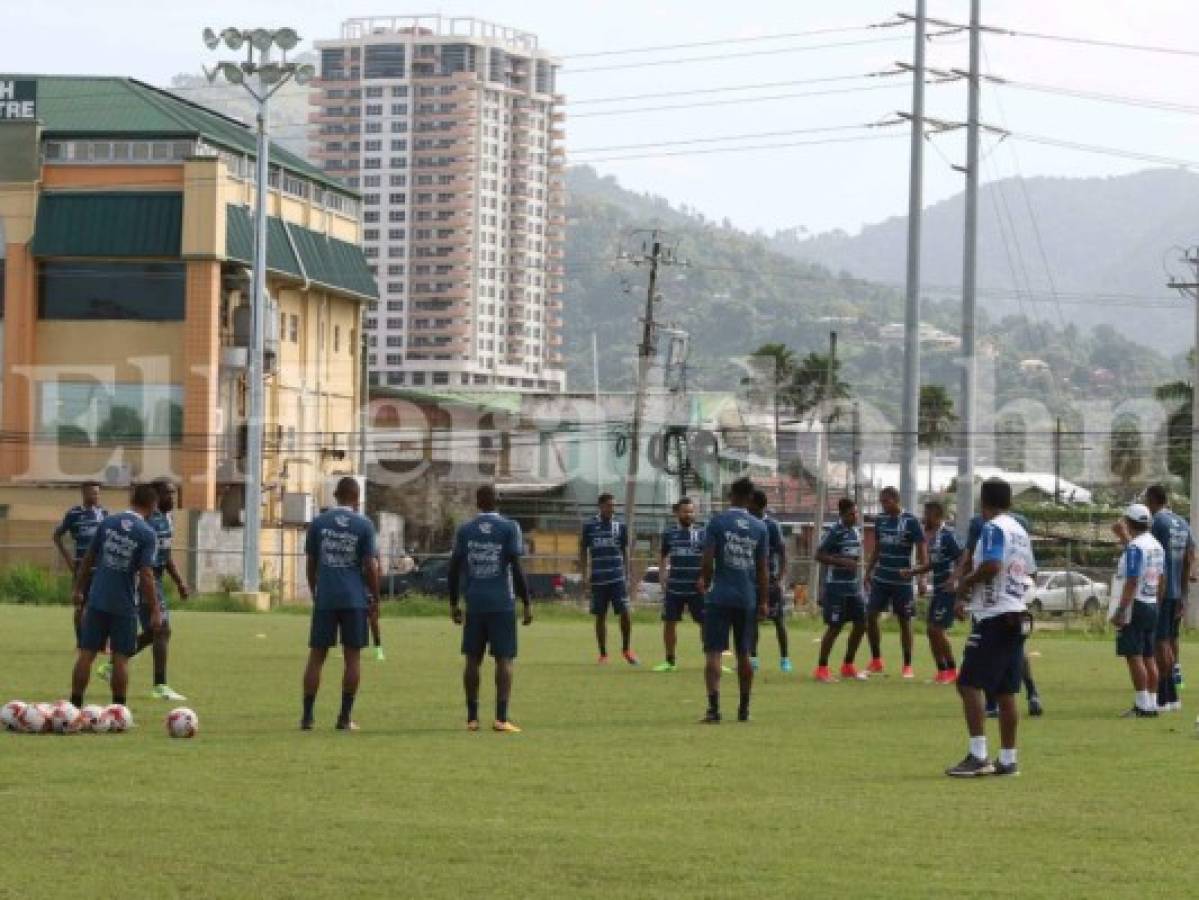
x: 118, y: 718
x: 10, y: 715
x: 34, y: 718
x: 91, y: 718
x: 65, y: 718
x: 182, y: 723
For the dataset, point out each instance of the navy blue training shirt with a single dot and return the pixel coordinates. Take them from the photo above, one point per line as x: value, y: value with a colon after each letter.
x: 895, y: 538
x: 608, y: 542
x: 1173, y: 533
x: 774, y: 546
x: 944, y: 549
x: 684, y: 547
x: 485, y: 549
x: 164, y: 529
x: 341, y: 541
x: 81, y: 522
x: 737, y: 541
x: 123, y: 545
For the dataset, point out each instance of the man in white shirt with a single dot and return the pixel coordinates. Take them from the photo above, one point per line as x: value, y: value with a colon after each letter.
x: 993, y: 593
x: 1134, y: 611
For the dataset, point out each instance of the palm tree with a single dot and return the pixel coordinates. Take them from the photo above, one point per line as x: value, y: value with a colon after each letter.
x: 776, y: 363
x: 808, y: 385
x: 936, y: 421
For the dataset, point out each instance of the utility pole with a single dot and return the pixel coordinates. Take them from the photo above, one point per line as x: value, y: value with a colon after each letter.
x: 822, y: 467
x: 595, y: 441
x: 857, y: 454
x: 653, y: 254
x: 969, y: 443
x: 908, y: 487
x: 1057, y: 461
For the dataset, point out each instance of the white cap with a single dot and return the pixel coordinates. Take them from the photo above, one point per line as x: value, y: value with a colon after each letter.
x: 1139, y: 513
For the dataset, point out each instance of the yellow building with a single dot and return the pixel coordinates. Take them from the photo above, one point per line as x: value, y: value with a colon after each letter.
x: 125, y: 243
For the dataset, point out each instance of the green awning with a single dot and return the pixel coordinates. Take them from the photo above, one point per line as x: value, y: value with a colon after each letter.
x: 325, y: 262
x: 109, y: 224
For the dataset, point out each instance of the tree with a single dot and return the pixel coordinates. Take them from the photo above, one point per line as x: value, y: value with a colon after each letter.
x: 773, y: 372
x: 807, y: 391
x: 1126, y: 451
x: 1179, y: 395
x: 936, y: 421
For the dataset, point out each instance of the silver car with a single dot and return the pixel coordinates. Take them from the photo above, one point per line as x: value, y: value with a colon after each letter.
x: 1062, y: 592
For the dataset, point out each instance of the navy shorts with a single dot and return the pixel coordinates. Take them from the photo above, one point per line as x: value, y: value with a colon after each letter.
x: 899, y: 599
x: 994, y: 655
x: 143, y: 609
x: 100, y: 627
x: 349, y: 622
x: 673, y: 606
x: 1136, y: 638
x: 720, y: 620
x: 1168, y: 620
x: 940, y: 610
x: 496, y: 630
x: 605, y: 595
x: 841, y: 606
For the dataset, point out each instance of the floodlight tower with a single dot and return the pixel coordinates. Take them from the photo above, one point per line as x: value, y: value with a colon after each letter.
x: 269, y: 77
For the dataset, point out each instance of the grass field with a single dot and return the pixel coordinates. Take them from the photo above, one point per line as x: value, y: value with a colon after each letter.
x: 612, y: 790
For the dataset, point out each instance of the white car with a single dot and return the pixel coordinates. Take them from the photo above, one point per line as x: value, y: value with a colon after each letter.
x: 649, y: 589
x: 1061, y: 592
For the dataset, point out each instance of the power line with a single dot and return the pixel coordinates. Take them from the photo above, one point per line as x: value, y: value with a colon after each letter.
x: 777, y: 36
x: 727, y: 137
x: 719, y: 90
x: 752, y: 147
x: 736, y: 101
x: 1070, y: 39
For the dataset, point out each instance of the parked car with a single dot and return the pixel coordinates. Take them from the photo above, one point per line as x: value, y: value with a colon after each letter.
x: 1061, y: 592
x: 431, y: 577
x: 649, y: 589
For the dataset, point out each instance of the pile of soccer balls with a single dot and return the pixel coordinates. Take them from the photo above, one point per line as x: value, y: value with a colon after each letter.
x: 64, y: 718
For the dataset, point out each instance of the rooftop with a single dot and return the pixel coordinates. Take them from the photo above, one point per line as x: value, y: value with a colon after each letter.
x: 87, y: 106
x: 436, y: 25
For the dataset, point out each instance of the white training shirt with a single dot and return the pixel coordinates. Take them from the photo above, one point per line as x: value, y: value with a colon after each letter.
x: 1004, y: 541
x: 1144, y: 560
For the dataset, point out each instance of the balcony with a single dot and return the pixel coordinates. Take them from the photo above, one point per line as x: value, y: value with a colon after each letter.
x: 447, y: 307
x: 555, y: 253
x: 558, y: 115
x: 456, y: 295
x: 557, y: 134
x: 553, y: 303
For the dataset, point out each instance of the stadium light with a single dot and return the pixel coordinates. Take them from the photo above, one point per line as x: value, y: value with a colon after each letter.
x: 261, y: 77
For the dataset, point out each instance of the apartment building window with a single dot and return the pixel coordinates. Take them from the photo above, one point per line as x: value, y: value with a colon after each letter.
x: 395, y: 270
x: 399, y: 91
x: 370, y: 199
x: 370, y: 216
x: 396, y: 215
x: 372, y: 360
x: 395, y: 359
x: 370, y: 234
x: 373, y: 146
x: 418, y: 378
x: 398, y: 181
x: 396, y: 305
x: 399, y: 127
x: 372, y: 93
x: 441, y: 377
x: 400, y: 145
x: 371, y: 322
x: 374, y: 127
x: 395, y: 340
x: 395, y: 324
x: 374, y: 109
x: 399, y: 162
x: 395, y: 234
x: 398, y: 199
x: 393, y: 252
x: 372, y: 162
x: 384, y: 61
x: 395, y: 287
x: 395, y: 378
x: 370, y: 252
x: 397, y: 109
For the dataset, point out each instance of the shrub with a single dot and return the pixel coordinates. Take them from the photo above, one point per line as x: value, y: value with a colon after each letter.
x: 27, y: 583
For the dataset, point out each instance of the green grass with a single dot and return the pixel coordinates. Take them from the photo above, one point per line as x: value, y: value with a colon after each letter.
x: 612, y: 790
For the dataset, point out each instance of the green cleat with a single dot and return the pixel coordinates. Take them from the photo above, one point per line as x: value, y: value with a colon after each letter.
x: 104, y: 670
x: 379, y: 657
x: 666, y: 667
x: 163, y: 692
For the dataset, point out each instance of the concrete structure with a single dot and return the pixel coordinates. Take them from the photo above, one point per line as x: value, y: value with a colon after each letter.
x: 452, y: 130
x: 126, y: 221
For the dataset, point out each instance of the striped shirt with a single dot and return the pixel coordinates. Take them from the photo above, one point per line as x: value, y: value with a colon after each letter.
x: 607, y: 542
x: 895, y: 536
x: 684, y: 548
x: 1173, y: 533
x: 944, y: 549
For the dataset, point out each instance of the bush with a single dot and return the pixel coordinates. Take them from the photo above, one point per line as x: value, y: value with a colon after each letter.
x: 217, y: 603
x: 27, y: 583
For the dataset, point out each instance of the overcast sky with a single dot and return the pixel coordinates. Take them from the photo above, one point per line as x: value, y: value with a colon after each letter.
x: 836, y: 185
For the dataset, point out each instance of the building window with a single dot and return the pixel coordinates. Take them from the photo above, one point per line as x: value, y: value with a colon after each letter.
x: 336, y: 338
x: 395, y: 377
x: 153, y: 292
x: 441, y: 377
x: 418, y: 377
x: 395, y: 359
x: 293, y: 329
x: 90, y: 412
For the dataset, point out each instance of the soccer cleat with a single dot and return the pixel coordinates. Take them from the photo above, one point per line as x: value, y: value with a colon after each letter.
x: 743, y: 715
x: 753, y: 663
x: 849, y: 670
x: 630, y: 657
x: 1005, y: 768
x: 949, y: 676
x: 971, y: 767
x: 908, y: 673
x: 711, y: 717
x: 506, y: 727
x: 876, y: 667
x: 1137, y: 713
x: 823, y: 675
x: 347, y: 725
x: 104, y: 670
x: 785, y: 666
x: 665, y: 667
x: 1176, y: 674
x: 379, y: 657
x: 472, y: 725
x: 1034, y: 706
x: 992, y: 712
x: 603, y: 659
x: 163, y: 692
x: 306, y: 724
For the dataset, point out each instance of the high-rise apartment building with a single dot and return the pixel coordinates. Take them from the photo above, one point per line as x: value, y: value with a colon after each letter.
x: 452, y: 130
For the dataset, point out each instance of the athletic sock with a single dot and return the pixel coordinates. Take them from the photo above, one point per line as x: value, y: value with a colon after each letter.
x: 309, y: 703
x: 823, y: 660
x: 1007, y: 757
x: 670, y: 658
x: 978, y: 747
x: 347, y: 707
x: 118, y: 699
x: 501, y: 710
x: 1144, y: 700
x: 77, y: 700
x: 714, y: 702
x: 160, y: 676
x: 743, y: 706
x: 472, y: 710
x: 907, y: 658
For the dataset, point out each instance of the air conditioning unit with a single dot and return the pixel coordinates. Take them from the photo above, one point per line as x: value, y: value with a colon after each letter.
x: 298, y: 508
x: 330, y: 485
x: 120, y: 475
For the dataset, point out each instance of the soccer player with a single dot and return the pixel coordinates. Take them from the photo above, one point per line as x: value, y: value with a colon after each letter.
x: 81, y: 523
x: 841, y: 554
x: 777, y: 567
x: 606, y: 578
x: 944, y: 550
x: 1140, y: 571
x: 1173, y: 533
x: 896, y: 534
x: 160, y: 638
x: 734, y: 578
x: 343, y: 578
x: 485, y: 565
x: 678, y: 573
x: 993, y: 592
x: 965, y: 565
x: 115, y: 578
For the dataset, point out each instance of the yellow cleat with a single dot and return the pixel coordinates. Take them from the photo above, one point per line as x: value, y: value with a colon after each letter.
x: 506, y: 728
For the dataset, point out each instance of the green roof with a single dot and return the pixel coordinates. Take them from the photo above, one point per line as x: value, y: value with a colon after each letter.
x: 121, y: 224
x: 507, y: 402
x: 323, y: 261
x: 110, y: 106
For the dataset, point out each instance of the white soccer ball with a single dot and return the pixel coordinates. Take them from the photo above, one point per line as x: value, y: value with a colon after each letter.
x: 118, y: 717
x: 10, y: 715
x: 65, y: 718
x: 91, y: 719
x: 182, y: 723
x: 34, y: 718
